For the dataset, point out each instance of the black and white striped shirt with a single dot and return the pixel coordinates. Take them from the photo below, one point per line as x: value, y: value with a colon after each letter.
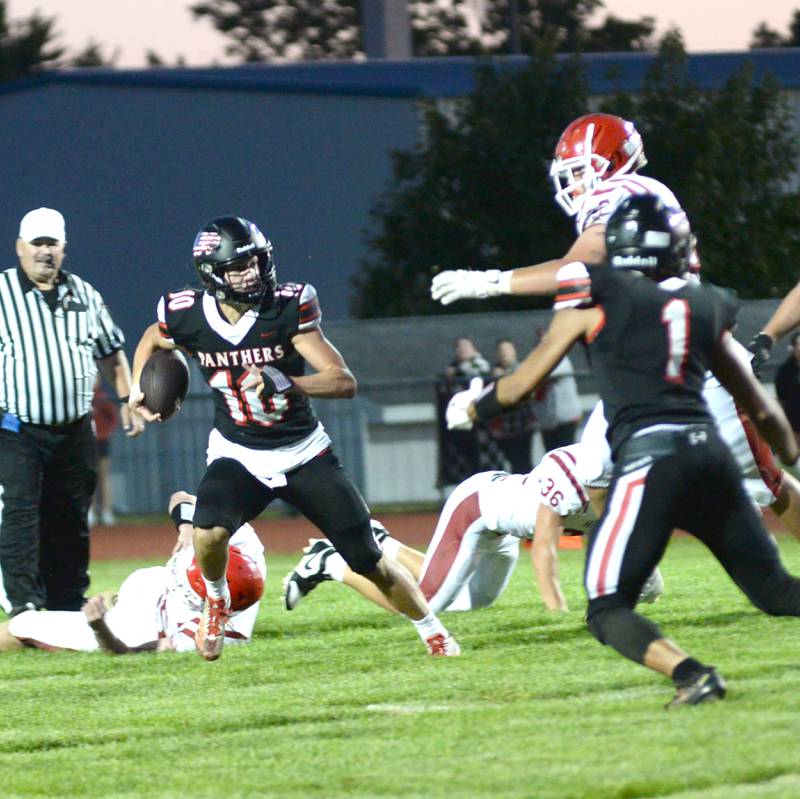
x: 47, y: 355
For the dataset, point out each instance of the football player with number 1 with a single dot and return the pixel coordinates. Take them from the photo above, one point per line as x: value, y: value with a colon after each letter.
x: 595, y: 168
x: 252, y: 339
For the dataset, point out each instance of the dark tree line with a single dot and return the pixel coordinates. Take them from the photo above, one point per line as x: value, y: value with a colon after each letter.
x: 475, y: 191
x: 264, y: 30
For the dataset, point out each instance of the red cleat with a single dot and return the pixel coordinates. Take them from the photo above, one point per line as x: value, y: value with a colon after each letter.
x: 440, y: 645
x: 210, y: 636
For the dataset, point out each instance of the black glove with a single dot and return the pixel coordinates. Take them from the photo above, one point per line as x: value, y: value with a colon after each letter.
x: 275, y: 381
x: 760, y: 346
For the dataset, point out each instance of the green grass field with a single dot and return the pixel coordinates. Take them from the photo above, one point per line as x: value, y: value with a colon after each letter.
x: 338, y: 699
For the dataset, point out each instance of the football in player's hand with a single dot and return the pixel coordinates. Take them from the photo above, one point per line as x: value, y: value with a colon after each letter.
x: 164, y: 381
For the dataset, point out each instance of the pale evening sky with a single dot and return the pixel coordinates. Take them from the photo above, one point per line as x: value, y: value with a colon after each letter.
x: 167, y: 26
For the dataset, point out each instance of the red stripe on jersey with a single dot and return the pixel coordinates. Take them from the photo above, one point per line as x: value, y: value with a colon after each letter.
x: 575, y: 282
x: 762, y: 455
x: 595, y: 332
x: 576, y: 295
x: 466, y: 512
x: 571, y: 477
x: 567, y: 454
x: 626, y: 501
x: 628, y: 183
x: 164, y: 330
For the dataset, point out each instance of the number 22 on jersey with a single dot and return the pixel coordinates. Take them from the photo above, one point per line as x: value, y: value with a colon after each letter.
x: 245, y: 406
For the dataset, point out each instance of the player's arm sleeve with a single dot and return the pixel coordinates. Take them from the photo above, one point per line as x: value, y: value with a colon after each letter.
x: 309, y: 313
x: 574, y: 287
x: 558, y: 473
x: 163, y: 323
x: 110, y: 337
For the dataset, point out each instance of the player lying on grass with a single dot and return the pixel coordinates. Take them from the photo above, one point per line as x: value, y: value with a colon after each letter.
x: 476, y: 542
x: 157, y: 608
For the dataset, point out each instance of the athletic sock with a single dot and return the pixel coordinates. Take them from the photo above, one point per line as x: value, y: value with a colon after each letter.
x: 687, y: 670
x: 428, y: 626
x: 218, y: 589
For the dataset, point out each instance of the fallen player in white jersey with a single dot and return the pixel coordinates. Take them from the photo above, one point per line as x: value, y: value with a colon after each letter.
x: 476, y: 542
x: 157, y: 608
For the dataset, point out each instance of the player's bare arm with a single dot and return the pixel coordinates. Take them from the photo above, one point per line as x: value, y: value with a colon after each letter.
x: 95, y: 611
x: 785, y: 319
x: 331, y: 380
x: 566, y: 328
x: 537, y: 279
x: 765, y: 412
x: 150, y: 341
x: 185, y: 529
x: 116, y: 370
x: 544, y: 557
x: 540, y: 279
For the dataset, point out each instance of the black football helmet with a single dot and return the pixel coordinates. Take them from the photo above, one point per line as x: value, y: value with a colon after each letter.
x: 225, y: 241
x: 645, y: 234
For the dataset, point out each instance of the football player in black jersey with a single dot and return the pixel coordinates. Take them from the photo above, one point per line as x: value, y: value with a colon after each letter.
x: 651, y: 336
x: 252, y: 339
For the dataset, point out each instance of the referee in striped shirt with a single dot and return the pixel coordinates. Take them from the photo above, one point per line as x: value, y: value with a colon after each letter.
x: 55, y: 332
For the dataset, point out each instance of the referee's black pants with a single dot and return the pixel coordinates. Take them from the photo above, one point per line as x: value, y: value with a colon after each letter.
x: 47, y: 477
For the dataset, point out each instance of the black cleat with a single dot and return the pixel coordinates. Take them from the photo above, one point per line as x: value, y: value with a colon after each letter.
x: 308, y: 573
x: 708, y: 686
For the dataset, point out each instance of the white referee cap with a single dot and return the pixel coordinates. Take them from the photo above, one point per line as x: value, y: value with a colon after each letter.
x: 42, y: 223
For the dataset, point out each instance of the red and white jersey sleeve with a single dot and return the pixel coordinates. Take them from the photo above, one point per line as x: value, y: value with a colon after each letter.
x: 161, y: 315
x: 608, y: 194
x: 574, y: 287
x: 560, y: 478
x: 309, y: 313
x: 180, y: 608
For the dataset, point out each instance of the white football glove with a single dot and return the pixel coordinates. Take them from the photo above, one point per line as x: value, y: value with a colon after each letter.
x: 466, y: 284
x: 456, y: 414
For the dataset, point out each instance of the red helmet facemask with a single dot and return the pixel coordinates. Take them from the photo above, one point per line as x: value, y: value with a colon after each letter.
x: 245, y: 581
x: 591, y: 149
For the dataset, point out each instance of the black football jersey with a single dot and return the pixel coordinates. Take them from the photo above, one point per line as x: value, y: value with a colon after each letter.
x: 654, y: 346
x: 263, y: 336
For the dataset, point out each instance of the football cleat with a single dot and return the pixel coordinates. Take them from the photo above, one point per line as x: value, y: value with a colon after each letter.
x: 210, y: 636
x: 309, y: 572
x: 708, y: 686
x: 652, y: 588
x: 441, y: 645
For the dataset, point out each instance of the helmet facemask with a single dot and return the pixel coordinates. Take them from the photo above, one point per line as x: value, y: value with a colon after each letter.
x: 227, y: 245
x: 592, y: 149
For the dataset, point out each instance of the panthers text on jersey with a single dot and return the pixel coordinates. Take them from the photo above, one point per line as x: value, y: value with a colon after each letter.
x: 651, y: 352
x: 263, y: 336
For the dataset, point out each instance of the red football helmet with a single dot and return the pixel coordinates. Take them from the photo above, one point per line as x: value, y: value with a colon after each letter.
x: 245, y: 581
x: 592, y: 148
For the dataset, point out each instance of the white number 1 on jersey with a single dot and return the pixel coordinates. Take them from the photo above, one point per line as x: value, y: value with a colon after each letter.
x: 675, y: 318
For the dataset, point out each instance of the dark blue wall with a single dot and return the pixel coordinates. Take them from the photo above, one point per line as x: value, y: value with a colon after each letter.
x: 136, y: 171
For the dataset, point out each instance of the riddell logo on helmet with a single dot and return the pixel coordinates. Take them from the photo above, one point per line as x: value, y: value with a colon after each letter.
x: 245, y: 248
x: 634, y: 260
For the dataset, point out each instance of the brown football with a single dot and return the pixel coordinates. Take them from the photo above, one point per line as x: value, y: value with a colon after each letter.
x: 164, y: 381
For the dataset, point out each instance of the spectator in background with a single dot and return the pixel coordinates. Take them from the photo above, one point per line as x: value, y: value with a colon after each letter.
x: 105, y: 418
x: 787, y: 385
x: 459, y: 450
x: 468, y: 363
x: 513, y: 430
x: 557, y: 405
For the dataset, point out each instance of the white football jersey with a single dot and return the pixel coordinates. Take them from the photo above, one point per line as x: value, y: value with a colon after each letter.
x: 178, y: 607
x: 509, y: 502
x: 608, y: 194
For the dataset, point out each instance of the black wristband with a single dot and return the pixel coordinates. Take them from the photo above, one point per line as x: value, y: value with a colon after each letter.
x: 487, y: 405
x: 124, y: 400
x: 182, y: 513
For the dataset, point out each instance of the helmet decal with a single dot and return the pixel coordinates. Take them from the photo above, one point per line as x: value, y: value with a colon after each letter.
x: 206, y: 242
